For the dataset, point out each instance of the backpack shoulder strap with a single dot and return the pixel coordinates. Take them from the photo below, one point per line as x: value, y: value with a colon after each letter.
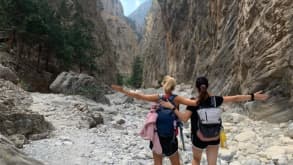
x: 171, y: 98
x: 214, y: 101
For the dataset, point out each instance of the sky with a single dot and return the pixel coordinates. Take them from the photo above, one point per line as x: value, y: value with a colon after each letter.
x: 130, y: 5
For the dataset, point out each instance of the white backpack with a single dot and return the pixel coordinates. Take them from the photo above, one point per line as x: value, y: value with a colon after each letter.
x: 209, y: 123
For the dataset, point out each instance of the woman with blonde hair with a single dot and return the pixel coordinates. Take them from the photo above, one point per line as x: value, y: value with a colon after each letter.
x: 165, y: 120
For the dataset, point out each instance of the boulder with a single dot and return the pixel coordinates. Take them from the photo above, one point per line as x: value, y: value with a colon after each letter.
x: 15, y: 118
x: 18, y: 139
x: 80, y: 84
x: 8, y: 74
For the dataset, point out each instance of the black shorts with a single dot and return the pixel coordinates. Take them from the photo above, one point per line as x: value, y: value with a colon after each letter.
x: 201, y: 144
x: 169, y: 145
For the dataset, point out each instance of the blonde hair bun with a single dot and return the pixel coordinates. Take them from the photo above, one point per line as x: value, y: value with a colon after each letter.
x: 169, y: 83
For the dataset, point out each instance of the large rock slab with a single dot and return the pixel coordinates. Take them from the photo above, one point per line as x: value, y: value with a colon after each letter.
x: 79, y: 84
x: 15, y: 118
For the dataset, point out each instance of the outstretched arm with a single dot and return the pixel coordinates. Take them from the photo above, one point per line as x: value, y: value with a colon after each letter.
x: 182, y: 116
x: 185, y: 101
x: 239, y: 98
x: 152, y: 98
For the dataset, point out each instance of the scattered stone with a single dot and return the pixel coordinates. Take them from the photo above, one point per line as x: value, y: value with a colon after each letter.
x: 116, y: 140
x: 235, y: 163
x: 227, y: 154
x: 98, y: 118
x: 245, y: 136
x: 252, y: 162
x: 274, y: 152
x: 120, y: 121
x: 39, y: 136
x: 18, y: 140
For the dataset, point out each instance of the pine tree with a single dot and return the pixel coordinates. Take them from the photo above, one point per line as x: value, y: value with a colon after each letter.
x: 137, y: 70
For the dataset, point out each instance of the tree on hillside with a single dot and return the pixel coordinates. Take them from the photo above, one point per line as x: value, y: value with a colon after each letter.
x: 137, y: 71
x: 67, y: 36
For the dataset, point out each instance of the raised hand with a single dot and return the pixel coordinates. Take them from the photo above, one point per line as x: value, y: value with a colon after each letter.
x: 259, y: 96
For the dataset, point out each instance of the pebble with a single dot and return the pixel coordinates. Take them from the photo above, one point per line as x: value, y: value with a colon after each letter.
x: 117, y: 141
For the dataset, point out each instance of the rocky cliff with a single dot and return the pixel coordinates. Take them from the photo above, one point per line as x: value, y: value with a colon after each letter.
x: 122, y: 36
x: 139, y: 15
x: 241, y: 46
x: 38, y: 67
x: 92, y: 10
x: 153, y: 47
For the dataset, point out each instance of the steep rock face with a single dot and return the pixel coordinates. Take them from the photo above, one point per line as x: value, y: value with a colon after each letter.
x: 106, y: 68
x: 139, y: 15
x: 241, y: 46
x: 113, y: 7
x: 121, y: 34
x: 153, y: 48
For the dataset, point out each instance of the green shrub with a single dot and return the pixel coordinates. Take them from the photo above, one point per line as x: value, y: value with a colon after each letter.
x: 137, y: 71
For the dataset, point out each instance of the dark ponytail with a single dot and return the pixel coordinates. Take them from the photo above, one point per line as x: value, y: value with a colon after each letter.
x: 203, y: 93
x: 202, y: 85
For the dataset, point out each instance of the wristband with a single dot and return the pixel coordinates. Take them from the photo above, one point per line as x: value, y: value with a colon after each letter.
x: 252, y: 97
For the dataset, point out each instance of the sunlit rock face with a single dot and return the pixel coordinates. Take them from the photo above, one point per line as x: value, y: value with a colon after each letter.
x: 240, y: 46
x: 122, y: 36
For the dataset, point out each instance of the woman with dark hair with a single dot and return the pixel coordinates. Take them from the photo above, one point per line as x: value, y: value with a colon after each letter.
x: 205, y: 100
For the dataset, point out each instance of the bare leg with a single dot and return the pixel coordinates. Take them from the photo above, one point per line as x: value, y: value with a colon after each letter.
x: 212, y: 154
x: 158, y: 159
x: 197, y: 152
x: 175, y: 159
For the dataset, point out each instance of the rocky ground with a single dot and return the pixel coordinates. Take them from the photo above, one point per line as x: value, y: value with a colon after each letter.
x: 80, y: 140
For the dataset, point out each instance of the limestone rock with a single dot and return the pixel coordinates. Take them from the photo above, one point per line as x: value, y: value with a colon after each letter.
x: 82, y: 84
x: 244, y: 136
x: 121, y: 34
x: 18, y: 140
x: 275, y: 151
x: 15, y: 118
x: 240, y: 46
x: 8, y: 74
x: 227, y: 154
x: 10, y: 155
x: 252, y: 162
x: 153, y: 48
